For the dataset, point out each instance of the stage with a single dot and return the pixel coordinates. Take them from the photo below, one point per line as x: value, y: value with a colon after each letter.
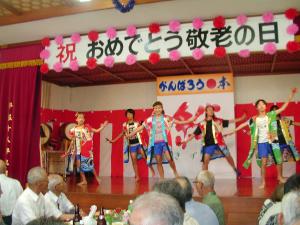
x: 242, y: 198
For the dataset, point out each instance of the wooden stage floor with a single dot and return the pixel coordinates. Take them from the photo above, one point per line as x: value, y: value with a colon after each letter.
x: 242, y: 198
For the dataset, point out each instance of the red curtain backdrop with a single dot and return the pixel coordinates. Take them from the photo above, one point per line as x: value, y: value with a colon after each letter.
x: 19, y: 53
x: 20, y: 97
x: 116, y: 117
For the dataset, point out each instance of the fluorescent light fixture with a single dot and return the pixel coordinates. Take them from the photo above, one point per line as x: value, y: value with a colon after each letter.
x: 84, y: 0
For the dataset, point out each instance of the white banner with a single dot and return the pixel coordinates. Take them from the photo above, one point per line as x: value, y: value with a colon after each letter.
x: 188, y: 160
x: 252, y: 36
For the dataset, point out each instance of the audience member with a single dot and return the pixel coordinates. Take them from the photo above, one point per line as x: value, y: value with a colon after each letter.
x: 205, y: 182
x: 201, y: 212
x: 31, y: 204
x: 290, y: 206
x: 11, y: 190
x: 155, y: 208
x: 173, y: 188
x: 56, y: 194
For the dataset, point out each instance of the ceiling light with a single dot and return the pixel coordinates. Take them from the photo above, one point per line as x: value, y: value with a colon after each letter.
x: 84, y: 0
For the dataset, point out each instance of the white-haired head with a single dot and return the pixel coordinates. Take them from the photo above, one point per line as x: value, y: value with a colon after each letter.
x: 37, y: 180
x: 35, y: 175
x: 291, y: 208
x: 207, y: 178
x: 155, y: 208
x: 54, y: 180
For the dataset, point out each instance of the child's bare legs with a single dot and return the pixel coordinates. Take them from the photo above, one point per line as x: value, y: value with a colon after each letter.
x: 206, y: 162
x: 231, y: 163
x: 263, y: 172
x: 82, y: 176
x: 96, y: 176
x: 150, y: 166
x: 160, y: 166
x: 172, y: 163
x: 279, y: 173
x: 134, y: 165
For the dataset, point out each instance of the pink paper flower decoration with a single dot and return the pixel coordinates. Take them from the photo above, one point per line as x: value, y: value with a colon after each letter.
x: 174, y: 55
x: 270, y: 48
x: 76, y: 38
x: 130, y: 59
x: 44, y: 54
x: 292, y: 29
x: 74, y: 65
x: 58, y: 67
x: 111, y: 33
x: 197, y: 53
x: 245, y: 53
x: 174, y: 25
x: 197, y: 23
x: 241, y: 19
x: 268, y: 17
x: 131, y: 30
x: 109, y: 61
x: 59, y: 39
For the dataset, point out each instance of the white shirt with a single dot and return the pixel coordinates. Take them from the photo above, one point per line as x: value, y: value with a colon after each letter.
x: 271, y: 214
x: 188, y: 220
x: 262, y: 125
x: 201, y: 212
x: 31, y: 206
x: 11, y: 190
x: 61, y: 202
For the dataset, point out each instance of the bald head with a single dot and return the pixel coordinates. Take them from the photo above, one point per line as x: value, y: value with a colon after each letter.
x: 2, y: 167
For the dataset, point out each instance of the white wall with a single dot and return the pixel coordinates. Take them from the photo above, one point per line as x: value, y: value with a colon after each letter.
x: 273, y: 88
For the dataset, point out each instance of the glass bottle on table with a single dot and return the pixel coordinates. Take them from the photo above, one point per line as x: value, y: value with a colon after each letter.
x: 101, y: 219
x: 77, y: 218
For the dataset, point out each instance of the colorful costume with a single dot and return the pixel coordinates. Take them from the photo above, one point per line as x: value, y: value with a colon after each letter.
x: 160, y: 139
x: 83, y: 146
x: 212, y: 139
x: 133, y: 144
x: 274, y: 153
x: 286, y: 143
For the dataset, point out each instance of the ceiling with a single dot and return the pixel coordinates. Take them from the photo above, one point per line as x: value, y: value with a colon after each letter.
x: 31, y: 20
x: 257, y: 64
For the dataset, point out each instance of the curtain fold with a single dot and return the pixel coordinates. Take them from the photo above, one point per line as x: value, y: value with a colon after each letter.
x: 20, y: 100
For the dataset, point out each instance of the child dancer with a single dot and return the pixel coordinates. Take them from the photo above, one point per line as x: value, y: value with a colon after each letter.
x: 264, y: 138
x: 286, y: 143
x: 82, y: 146
x: 158, y: 126
x: 213, y: 144
x: 133, y: 145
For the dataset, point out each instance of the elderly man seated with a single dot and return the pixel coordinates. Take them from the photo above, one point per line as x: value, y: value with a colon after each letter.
x: 56, y: 194
x: 32, y: 204
x: 155, y: 208
x: 205, y: 182
x: 290, y: 209
x: 11, y: 190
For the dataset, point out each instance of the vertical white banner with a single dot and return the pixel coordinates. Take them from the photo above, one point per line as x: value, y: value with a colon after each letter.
x: 105, y: 154
x: 188, y: 160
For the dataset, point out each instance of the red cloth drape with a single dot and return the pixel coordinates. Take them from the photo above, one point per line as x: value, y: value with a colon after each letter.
x: 22, y: 88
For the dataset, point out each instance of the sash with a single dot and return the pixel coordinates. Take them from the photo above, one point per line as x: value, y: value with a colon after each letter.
x: 126, y: 145
x: 152, y: 128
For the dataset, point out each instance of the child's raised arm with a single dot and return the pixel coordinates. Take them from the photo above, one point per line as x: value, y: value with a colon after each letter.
x: 239, y: 119
x: 103, y: 125
x: 116, y: 138
x: 285, y: 105
x: 241, y: 126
